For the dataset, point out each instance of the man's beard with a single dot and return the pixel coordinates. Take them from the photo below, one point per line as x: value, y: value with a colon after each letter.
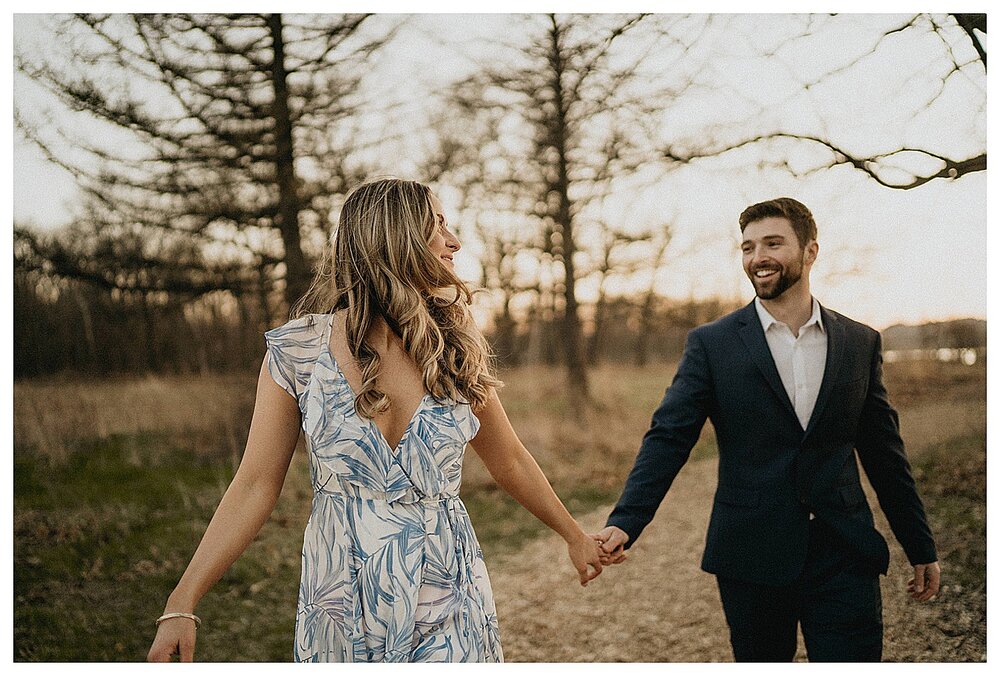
x: 771, y: 290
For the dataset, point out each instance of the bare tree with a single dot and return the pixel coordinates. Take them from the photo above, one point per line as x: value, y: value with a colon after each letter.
x: 647, y: 309
x: 615, y: 258
x: 922, y: 58
x: 501, y: 274
x: 557, y: 124
x: 99, y: 305
x: 228, y: 131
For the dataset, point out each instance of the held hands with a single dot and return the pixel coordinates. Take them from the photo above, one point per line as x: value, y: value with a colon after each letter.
x: 175, y: 636
x: 926, y: 581
x: 612, y: 541
x: 585, y: 553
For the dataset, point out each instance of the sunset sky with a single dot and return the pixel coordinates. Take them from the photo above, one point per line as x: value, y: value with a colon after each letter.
x: 886, y: 256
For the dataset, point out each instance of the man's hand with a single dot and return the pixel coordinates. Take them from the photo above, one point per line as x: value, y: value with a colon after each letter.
x: 612, y: 541
x: 926, y: 581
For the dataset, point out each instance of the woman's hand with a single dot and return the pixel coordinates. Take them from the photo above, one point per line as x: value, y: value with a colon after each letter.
x: 585, y: 552
x: 175, y: 636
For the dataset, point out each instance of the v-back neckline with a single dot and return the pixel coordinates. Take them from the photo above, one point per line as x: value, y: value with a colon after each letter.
x: 354, y: 397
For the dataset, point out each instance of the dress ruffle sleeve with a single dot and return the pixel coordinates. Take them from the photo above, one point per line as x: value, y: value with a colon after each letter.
x: 292, y: 350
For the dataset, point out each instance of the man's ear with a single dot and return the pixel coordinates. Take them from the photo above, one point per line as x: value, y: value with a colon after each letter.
x: 812, y: 251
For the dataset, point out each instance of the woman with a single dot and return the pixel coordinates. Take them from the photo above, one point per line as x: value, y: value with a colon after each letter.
x: 388, y: 389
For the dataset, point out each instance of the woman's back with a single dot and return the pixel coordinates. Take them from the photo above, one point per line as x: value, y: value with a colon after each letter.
x: 391, y: 567
x: 399, y: 377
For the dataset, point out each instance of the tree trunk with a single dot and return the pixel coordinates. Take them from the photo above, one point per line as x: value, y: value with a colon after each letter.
x: 151, y: 356
x: 575, y: 366
x: 595, y: 345
x: 505, y: 334
x: 86, y: 321
x: 263, y: 278
x: 645, y: 329
x: 296, y: 269
x: 551, y: 327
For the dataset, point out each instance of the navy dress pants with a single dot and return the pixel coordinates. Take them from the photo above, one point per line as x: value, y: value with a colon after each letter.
x: 836, y: 599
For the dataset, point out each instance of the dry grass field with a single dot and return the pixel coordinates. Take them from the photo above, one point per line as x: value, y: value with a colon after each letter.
x: 115, y: 481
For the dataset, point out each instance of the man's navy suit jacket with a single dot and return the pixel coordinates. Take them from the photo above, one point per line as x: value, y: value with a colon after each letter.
x: 772, y: 473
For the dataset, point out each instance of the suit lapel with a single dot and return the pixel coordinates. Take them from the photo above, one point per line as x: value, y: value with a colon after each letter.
x: 752, y: 335
x: 835, y: 340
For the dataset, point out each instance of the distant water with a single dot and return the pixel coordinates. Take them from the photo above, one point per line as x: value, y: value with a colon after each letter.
x: 964, y: 355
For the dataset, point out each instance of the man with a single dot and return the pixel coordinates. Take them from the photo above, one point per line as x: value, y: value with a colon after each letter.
x: 795, y: 393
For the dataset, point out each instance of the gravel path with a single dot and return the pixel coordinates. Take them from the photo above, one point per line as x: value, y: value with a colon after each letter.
x: 659, y: 606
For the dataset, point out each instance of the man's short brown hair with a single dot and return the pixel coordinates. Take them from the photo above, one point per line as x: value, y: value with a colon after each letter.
x: 783, y: 207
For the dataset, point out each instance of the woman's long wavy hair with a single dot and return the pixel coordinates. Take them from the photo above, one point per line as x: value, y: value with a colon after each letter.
x: 380, y: 265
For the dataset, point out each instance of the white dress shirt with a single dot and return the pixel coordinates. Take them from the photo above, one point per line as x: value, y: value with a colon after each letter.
x: 800, y: 359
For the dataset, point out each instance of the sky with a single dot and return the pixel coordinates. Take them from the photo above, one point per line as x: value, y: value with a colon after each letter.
x: 920, y: 254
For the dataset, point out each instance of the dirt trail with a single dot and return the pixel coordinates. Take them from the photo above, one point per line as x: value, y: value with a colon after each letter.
x: 659, y: 606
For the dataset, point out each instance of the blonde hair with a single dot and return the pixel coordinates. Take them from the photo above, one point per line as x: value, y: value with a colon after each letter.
x: 380, y: 265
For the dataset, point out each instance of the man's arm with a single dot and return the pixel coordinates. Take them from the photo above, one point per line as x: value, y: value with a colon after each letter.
x: 880, y: 449
x: 667, y: 445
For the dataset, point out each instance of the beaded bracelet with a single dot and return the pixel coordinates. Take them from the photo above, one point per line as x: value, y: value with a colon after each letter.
x: 190, y: 616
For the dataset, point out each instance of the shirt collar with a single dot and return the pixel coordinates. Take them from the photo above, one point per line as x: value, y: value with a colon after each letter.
x: 767, y: 320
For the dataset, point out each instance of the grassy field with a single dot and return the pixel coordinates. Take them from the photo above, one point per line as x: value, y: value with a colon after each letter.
x: 115, y: 481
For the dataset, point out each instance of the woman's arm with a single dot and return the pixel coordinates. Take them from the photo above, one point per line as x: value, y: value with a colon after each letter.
x: 513, y: 468
x: 248, y: 502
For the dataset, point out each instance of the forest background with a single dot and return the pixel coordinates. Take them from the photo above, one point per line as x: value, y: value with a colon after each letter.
x: 177, y: 176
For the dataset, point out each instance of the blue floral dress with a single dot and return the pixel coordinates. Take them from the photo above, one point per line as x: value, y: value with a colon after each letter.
x: 391, y: 568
